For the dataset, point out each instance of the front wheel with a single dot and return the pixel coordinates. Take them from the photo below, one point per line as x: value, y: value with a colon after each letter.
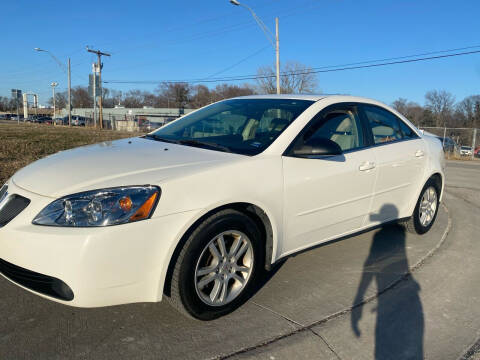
x: 217, y: 268
x: 426, y: 209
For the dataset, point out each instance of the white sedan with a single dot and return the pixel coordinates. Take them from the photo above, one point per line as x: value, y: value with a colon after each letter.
x: 197, y: 210
x: 466, y: 150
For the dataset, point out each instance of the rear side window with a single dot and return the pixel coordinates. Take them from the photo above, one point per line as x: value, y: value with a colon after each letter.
x: 385, y: 126
x: 407, y: 131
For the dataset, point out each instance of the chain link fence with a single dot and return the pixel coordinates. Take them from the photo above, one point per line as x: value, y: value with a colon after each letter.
x: 458, y: 143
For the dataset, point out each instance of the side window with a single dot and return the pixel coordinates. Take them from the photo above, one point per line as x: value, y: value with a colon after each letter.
x: 408, y: 133
x: 385, y: 126
x: 341, y: 125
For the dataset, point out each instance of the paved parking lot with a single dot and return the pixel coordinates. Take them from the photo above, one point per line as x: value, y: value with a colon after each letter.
x: 383, y: 293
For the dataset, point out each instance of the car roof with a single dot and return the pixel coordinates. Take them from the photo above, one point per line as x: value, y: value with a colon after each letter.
x: 310, y: 97
x: 314, y: 97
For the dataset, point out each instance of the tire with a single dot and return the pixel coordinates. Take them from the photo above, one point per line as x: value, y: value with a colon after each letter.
x: 422, y: 220
x: 196, y: 288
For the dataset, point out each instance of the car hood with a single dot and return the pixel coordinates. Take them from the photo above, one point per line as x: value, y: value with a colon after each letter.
x: 134, y: 161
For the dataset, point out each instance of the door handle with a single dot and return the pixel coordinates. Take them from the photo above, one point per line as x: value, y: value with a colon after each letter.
x: 419, y: 153
x: 367, y: 165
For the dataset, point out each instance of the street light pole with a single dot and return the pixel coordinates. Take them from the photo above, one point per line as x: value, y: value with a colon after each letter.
x: 62, y: 66
x: 277, y: 53
x: 69, y: 95
x: 53, y: 84
x: 269, y: 36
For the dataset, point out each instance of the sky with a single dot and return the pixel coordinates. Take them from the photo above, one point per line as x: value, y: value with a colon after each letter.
x: 182, y: 40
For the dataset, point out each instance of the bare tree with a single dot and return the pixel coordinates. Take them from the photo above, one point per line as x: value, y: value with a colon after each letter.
x: 60, y: 100
x: 226, y: 91
x: 134, y: 99
x: 411, y: 110
x: 440, y: 103
x: 201, y: 96
x: 112, y: 98
x: 81, y: 98
x: 469, y: 110
x: 295, y: 78
x: 7, y: 104
x: 175, y: 94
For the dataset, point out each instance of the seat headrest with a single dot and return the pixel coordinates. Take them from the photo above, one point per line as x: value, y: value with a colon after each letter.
x: 279, y: 123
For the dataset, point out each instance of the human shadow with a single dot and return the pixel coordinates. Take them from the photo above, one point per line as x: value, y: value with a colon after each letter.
x: 399, y: 325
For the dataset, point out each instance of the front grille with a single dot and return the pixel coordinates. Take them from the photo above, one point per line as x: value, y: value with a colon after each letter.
x: 40, y: 283
x: 12, y: 206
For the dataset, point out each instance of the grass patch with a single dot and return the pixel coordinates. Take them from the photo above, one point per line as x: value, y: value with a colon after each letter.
x: 22, y: 144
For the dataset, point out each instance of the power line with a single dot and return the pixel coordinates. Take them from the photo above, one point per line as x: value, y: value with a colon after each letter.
x: 303, y: 72
x: 313, y: 70
x: 239, y: 62
x: 301, y: 7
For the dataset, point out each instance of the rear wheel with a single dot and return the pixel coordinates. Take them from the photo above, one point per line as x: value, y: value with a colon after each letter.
x: 218, y: 266
x: 426, y: 209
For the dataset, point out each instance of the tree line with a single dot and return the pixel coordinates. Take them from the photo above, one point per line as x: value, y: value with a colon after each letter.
x: 184, y: 95
x: 441, y: 110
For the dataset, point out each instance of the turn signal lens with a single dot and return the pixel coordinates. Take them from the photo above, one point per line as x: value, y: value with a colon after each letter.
x: 145, y: 209
x: 125, y: 203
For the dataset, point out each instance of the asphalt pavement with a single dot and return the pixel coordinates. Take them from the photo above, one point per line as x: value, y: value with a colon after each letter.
x: 384, y: 294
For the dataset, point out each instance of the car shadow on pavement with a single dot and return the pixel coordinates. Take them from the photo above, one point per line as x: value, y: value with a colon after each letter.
x: 399, y: 327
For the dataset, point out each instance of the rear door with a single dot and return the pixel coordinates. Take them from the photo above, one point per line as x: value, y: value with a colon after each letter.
x: 401, y: 157
x: 326, y: 197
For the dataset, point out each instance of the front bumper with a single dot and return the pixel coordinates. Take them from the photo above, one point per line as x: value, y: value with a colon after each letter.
x: 101, y: 266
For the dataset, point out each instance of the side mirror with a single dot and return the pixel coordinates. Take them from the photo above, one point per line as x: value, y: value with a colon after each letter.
x: 318, y: 146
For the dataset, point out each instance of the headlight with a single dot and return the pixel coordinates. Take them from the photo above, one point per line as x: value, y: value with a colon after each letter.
x: 102, y: 207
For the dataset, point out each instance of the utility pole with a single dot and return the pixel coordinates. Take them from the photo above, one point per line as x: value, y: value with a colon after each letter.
x: 69, y: 95
x: 16, y: 102
x: 94, y: 90
x: 53, y: 84
x: 277, y: 51
x: 99, y: 66
x: 473, y: 143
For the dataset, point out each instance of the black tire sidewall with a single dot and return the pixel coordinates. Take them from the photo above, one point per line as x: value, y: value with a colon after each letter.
x: 419, y: 228
x: 199, y: 239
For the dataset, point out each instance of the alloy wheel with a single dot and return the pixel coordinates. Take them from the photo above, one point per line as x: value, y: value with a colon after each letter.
x: 428, y: 206
x: 224, y: 268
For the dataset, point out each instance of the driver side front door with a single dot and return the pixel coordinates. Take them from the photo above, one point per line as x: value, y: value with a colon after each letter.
x: 330, y: 196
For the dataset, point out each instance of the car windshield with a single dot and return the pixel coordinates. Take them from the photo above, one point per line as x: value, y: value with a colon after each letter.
x: 242, y: 126
x: 465, y: 147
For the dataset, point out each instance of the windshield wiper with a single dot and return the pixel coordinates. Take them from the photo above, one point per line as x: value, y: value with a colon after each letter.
x: 204, y: 144
x: 158, y: 138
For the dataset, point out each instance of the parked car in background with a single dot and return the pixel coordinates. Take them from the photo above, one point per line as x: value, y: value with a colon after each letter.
x: 465, y: 151
x: 449, y: 145
x: 78, y: 120
x: 4, y: 116
x: 476, y: 152
x: 43, y: 120
x: 197, y: 210
x: 61, y: 120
